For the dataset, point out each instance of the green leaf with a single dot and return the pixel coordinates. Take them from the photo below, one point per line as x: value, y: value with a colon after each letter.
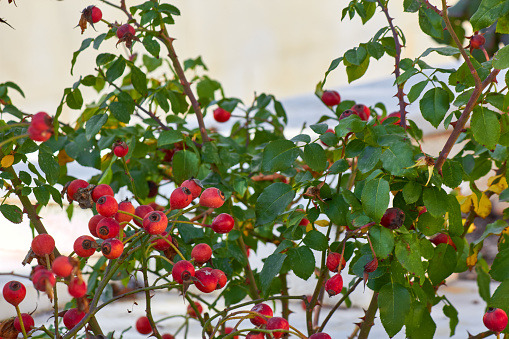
x: 116, y: 69
x: 382, y: 239
x: 98, y: 41
x: 429, y: 225
x: 272, y: 202
x: 104, y: 58
x: 169, y: 137
x: 411, y: 5
x: 412, y: 192
x: 368, y: 158
x: 271, y: 268
x: 375, y: 198
x: 353, y: 123
x: 488, y: 12
x: 455, y: 219
x: 339, y: 166
x: 503, y: 25
x: 394, y: 303
x: 279, y: 155
x: 416, y: 90
x: 375, y: 49
x: 500, y: 298
x: 120, y: 111
x: 319, y: 128
x: 419, y: 324
x: 434, y: 105
x: 499, y: 269
x: 84, y: 45
x: 485, y: 127
x: 49, y: 166
x: 314, y: 156
x: 397, y: 158
x: 12, y: 213
x: 483, y: 279
x: 494, y: 228
x: 139, y: 80
x: 316, y: 240
x: 451, y: 313
x: 408, y: 254
x: 356, y: 72
x: 74, y: 99
x: 190, y: 233
x: 452, y: 172
x: 302, y: 261
x: 94, y: 125
x: 431, y: 23
x: 185, y: 165
x: 447, y: 51
x: 337, y: 210
x: 302, y: 138
x: 434, y: 199
x: 443, y: 263
x: 42, y: 195
x: 151, y: 45
x: 334, y: 64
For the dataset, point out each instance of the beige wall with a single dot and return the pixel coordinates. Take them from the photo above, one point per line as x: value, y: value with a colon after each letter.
x: 276, y: 46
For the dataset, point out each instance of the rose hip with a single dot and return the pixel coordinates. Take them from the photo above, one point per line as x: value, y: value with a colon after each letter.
x: 221, y: 278
x: 77, y: 287
x: 62, y: 266
x: 212, y: 198
x: 14, y: 292
x: 162, y: 244
x: 73, y: 187
x: 141, y: 211
x: 191, y: 312
x: 201, y: 253
x: 180, y: 198
x: 155, y: 222
x: 182, y: 271
x: 143, y: 325
x: 331, y: 98
x: 112, y: 248
x: 125, y: 206
x: 223, y: 223
x: 72, y: 317
x: 43, y: 244
x: 101, y: 190
x: 334, y: 285
x: 85, y: 246
x: 264, y: 310
x: 28, y: 322
x: 194, y: 186
x: 205, y: 280
x: 106, y: 206
x: 277, y: 323
x: 92, y: 224
x: 120, y: 148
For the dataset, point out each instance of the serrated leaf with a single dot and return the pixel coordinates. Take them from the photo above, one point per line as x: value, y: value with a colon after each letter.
x: 314, y: 156
x: 94, y: 125
x: 412, y: 192
x: 382, y: 239
x: 488, y: 12
x: 434, y: 105
x: 442, y: 264
x: 12, y: 213
x: 316, y: 240
x: 271, y: 268
x: 434, y: 199
x: 302, y: 261
x: 272, y: 202
x: 116, y: 69
x: 375, y: 198
x: 139, y: 80
x: 485, y: 127
x: 416, y: 90
x: 84, y: 45
x: 494, y: 228
x: 368, y: 158
x: 279, y: 155
x: 339, y: 166
x: 394, y: 303
x: 185, y: 164
x: 408, y: 255
x: 169, y: 137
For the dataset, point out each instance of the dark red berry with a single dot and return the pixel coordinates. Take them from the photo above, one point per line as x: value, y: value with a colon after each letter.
x: 43, y: 244
x: 223, y: 223
x: 28, y: 322
x: 346, y: 114
x: 212, y: 198
x: 85, y: 246
x: 265, y: 312
x: 123, y: 30
x: 393, y: 218
x: 221, y: 278
x: 333, y: 260
x: 205, y: 281
x: 106, y: 206
x: 334, y: 285
x: 182, y: 271
x: 143, y: 325
x: 331, y: 98
x: 41, y: 127
x: 495, y: 319
x: 120, y: 148
x: 191, y: 312
x: 112, y: 248
x: 77, y: 287
x: 180, y: 198
x: 362, y: 111
x: 96, y: 14
x: 477, y: 41
x: 442, y: 238
x: 92, y: 224
x: 101, y: 190
x: 43, y: 279
x: 162, y: 244
x: 62, y: 266
x: 14, y: 292
x: 141, y: 211
x: 73, y: 187
x: 277, y: 323
x: 155, y: 222
x: 255, y: 335
x: 194, y: 186
x: 72, y: 317
x: 167, y: 336
x: 221, y: 115
x: 201, y: 253
x: 107, y: 228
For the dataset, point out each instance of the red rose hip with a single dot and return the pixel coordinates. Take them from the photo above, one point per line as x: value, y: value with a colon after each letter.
x: 62, y: 266
x: 331, y: 98
x: 223, y: 223
x: 28, y: 322
x: 362, y: 111
x: 333, y: 260
x: 264, y: 310
x: 334, y: 285
x: 14, y: 292
x: 143, y: 325
x: 320, y: 336
x: 74, y: 186
x: 393, y: 218
x: 155, y: 222
x: 194, y: 186
x: 141, y: 212
x: 180, y: 198
x: 107, y: 228
x: 182, y: 270
x: 123, y: 30
x: 77, y: 287
x: 92, y: 224
x: 101, y: 190
x: 43, y: 244
x: 112, y: 248
x: 205, y: 280
x: 277, y: 323
x: 495, y: 319
x: 191, y: 312
x: 201, y: 253
x: 221, y: 115
x: 85, y: 246
x: 162, y: 244
x: 97, y: 14
x: 106, y: 206
x: 72, y: 317
x: 212, y: 198
x: 442, y: 238
x: 125, y: 206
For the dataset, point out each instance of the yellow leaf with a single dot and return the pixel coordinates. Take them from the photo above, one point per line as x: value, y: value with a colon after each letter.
x: 471, y: 228
x: 322, y: 223
x: 7, y: 161
x: 493, y: 178
x: 484, y: 208
x: 472, y: 260
x: 309, y: 227
x: 499, y: 186
x: 64, y: 158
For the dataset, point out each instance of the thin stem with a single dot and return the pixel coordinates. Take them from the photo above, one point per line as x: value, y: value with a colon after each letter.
x: 20, y: 318
x: 460, y: 124
x: 12, y: 139
x: 284, y: 291
x: 331, y: 313
x: 130, y: 178
x: 397, y: 45
x: 369, y: 317
x: 148, y: 308
x: 249, y: 272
